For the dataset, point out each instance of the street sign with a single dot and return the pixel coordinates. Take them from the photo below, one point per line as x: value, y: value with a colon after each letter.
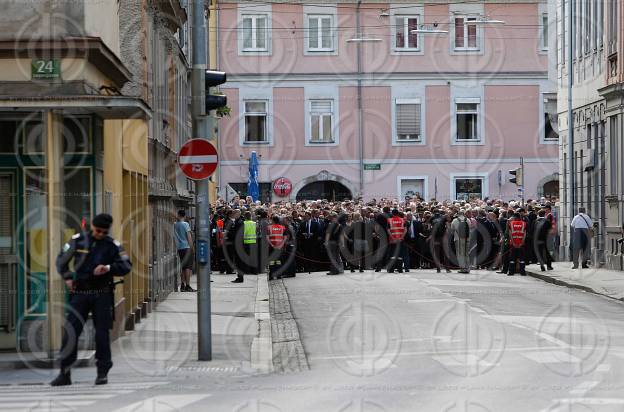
x: 372, y: 166
x: 198, y: 159
x: 45, y: 68
x: 282, y: 187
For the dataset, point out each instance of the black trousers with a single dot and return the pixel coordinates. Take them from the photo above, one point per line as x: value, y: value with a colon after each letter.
x: 81, y: 303
x: 438, y: 254
x: 516, y: 255
x: 542, y: 253
x: 395, y: 256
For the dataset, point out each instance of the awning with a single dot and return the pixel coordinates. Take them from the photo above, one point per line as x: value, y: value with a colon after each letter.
x: 107, y: 107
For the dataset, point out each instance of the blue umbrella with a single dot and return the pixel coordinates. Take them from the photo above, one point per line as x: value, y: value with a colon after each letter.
x: 253, y: 188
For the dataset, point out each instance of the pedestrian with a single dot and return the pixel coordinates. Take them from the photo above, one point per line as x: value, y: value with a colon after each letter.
x: 276, y: 238
x: 184, y: 241
x: 582, y: 226
x: 333, y: 236
x: 396, y: 233
x: 97, y: 257
x: 542, y: 231
x: 250, y: 244
x: 517, y: 229
x: 460, y: 233
x: 233, y: 258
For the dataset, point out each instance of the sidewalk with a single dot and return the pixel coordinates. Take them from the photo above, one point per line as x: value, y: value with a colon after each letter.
x: 164, y: 344
x: 609, y: 283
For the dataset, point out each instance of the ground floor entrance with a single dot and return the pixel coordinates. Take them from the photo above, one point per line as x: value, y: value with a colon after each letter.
x: 329, y: 189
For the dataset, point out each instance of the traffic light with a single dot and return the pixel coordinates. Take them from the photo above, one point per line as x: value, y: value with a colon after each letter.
x: 516, y: 177
x: 214, y: 101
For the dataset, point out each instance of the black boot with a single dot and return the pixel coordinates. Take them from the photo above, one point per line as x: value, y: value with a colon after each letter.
x: 102, y: 378
x: 63, y: 379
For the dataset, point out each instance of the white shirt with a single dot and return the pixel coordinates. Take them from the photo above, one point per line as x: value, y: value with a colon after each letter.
x: 582, y: 221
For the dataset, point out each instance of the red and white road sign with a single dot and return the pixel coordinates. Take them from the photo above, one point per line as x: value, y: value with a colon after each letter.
x: 198, y: 159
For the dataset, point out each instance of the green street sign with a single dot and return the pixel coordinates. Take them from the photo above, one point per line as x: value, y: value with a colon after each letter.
x: 46, y: 68
x: 372, y: 166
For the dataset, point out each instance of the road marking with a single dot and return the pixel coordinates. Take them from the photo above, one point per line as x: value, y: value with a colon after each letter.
x: 555, y: 356
x: 604, y: 367
x: 584, y: 387
x: 163, y: 403
x: 593, y: 401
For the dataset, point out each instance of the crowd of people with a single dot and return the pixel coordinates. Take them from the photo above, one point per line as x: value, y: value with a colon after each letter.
x: 287, y: 238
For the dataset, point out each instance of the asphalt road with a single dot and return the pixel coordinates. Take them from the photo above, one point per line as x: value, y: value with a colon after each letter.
x: 412, y: 342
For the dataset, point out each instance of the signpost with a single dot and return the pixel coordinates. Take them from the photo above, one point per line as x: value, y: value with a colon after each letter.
x: 198, y: 159
x: 282, y: 187
x: 372, y: 166
x: 45, y: 69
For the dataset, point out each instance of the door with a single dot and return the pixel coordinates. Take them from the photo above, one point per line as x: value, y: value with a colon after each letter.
x: 8, y: 261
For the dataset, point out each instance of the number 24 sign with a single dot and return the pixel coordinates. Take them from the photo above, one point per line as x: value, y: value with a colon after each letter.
x: 46, y: 68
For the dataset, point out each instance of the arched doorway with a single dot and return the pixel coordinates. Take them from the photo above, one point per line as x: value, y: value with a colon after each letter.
x: 326, y: 189
x: 551, y: 189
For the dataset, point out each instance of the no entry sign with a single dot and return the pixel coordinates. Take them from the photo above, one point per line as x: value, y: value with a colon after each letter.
x: 198, y: 159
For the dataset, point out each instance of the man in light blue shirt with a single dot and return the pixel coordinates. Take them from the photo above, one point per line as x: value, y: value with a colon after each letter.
x: 184, y: 241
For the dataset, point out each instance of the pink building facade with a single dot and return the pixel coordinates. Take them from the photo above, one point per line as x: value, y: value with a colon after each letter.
x: 386, y: 111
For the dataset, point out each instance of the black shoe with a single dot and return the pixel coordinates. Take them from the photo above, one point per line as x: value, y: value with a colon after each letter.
x: 183, y: 288
x: 550, y: 268
x: 400, y: 271
x: 361, y: 270
x: 542, y: 268
x: 377, y: 270
x: 575, y: 267
x: 190, y: 289
x: 238, y: 280
x: 585, y: 267
x: 510, y: 274
x: 102, y: 378
x: 438, y: 270
x: 406, y: 270
x: 523, y: 274
x: 63, y: 379
x: 448, y: 271
x: 352, y: 270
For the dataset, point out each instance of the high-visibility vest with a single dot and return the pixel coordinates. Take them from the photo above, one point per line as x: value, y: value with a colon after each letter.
x: 276, y: 236
x: 397, y: 229
x: 249, y: 232
x: 518, y: 233
x: 220, y: 226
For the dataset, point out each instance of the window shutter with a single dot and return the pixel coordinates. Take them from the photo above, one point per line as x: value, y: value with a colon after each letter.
x: 408, y: 120
x: 321, y: 106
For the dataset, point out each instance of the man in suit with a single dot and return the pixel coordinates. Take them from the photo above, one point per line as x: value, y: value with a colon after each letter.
x: 411, y: 258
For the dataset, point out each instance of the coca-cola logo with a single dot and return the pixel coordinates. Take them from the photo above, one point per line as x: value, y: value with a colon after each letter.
x: 282, y: 187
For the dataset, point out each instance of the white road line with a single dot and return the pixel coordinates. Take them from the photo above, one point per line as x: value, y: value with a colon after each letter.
x: 593, y: 401
x: 163, y: 403
x: 584, y: 387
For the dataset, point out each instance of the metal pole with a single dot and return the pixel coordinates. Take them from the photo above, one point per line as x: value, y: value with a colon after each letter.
x: 572, y: 172
x: 201, y: 129
x: 523, y: 178
x: 359, y: 97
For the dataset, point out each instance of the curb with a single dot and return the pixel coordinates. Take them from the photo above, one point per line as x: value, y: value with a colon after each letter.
x: 559, y: 282
x: 85, y: 358
x: 262, y: 344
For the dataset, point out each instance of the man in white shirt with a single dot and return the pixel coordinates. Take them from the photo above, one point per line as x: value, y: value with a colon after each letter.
x: 581, y: 224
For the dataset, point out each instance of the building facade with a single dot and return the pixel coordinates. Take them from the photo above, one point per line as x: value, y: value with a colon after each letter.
x: 592, y: 169
x: 347, y: 100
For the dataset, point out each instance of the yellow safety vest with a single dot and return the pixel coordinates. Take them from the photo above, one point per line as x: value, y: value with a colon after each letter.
x: 249, y: 232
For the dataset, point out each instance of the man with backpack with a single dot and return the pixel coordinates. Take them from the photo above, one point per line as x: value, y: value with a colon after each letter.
x: 460, y: 232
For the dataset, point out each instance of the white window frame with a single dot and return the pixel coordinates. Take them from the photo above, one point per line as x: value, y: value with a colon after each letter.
x: 406, y: 18
x: 480, y: 128
x: 479, y: 33
x: 332, y: 31
x: 544, y: 29
x: 425, y: 194
x: 254, y: 32
x: 332, y: 114
x: 268, y: 140
x: 485, y: 184
x: 330, y: 11
x: 255, y: 11
x: 395, y: 138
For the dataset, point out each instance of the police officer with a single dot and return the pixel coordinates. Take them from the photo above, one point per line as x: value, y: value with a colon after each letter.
x: 97, y: 257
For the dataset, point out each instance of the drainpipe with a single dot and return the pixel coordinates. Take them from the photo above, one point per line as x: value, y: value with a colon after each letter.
x: 571, y: 165
x: 359, y: 96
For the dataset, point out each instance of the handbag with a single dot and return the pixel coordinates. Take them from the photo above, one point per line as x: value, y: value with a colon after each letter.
x: 590, y: 229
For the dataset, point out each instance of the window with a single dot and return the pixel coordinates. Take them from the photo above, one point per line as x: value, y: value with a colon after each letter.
x: 320, y: 33
x: 407, y: 121
x: 256, y: 121
x: 468, y: 188
x: 321, y: 121
x: 255, y: 33
x: 613, y: 154
x: 466, y: 37
x: 404, y: 39
x: 467, y: 122
x: 544, y: 33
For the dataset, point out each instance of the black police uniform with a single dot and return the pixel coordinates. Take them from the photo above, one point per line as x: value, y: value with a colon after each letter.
x: 91, y: 294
